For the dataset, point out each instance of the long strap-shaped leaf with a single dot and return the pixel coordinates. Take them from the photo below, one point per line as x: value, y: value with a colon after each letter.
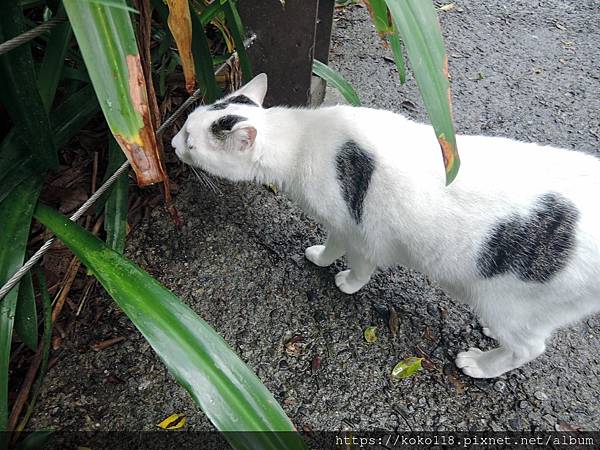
x: 19, y: 92
x: 228, y: 392
x: 15, y: 219
x: 107, y: 42
x: 67, y: 119
x: 419, y: 28
x: 180, y: 24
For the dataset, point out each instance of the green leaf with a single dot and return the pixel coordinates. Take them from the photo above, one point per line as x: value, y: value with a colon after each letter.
x: 16, y: 162
x: 379, y: 15
x: 406, y: 368
x: 419, y: 29
x: 26, y: 313
x: 115, y: 210
x: 396, y: 47
x: 46, y: 340
x: 37, y: 440
x: 336, y: 80
x: 53, y: 62
x: 203, y: 61
x: 107, y: 42
x: 211, y: 11
x: 370, y: 334
x: 15, y: 220
x: 20, y: 94
x: 232, y: 397
x: 114, y: 4
x: 238, y: 33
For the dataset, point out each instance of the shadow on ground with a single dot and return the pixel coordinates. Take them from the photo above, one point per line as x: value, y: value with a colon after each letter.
x: 528, y: 72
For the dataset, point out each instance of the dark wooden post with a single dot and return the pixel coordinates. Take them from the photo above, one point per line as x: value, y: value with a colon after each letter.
x: 287, y: 38
x: 323, y: 34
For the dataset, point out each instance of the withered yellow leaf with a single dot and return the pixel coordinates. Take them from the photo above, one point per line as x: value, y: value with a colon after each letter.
x: 173, y: 422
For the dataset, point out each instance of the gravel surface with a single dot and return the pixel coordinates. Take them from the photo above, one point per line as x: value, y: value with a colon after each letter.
x: 523, y: 69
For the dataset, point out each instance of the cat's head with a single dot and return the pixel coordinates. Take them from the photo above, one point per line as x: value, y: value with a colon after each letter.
x: 222, y: 138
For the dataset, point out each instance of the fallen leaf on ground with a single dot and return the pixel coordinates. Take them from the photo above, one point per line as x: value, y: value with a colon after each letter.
x: 173, y: 422
x: 103, y: 345
x: 457, y: 383
x: 315, y: 364
x: 393, y: 321
x: 406, y: 368
x: 370, y: 334
x: 293, y: 347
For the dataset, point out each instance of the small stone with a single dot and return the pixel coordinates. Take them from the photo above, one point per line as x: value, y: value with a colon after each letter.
x: 312, y: 296
x: 524, y: 404
x: 540, y: 395
x: 515, y: 424
x: 144, y: 385
x: 550, y: 419
x: 320, y: 316
x: 500, y: 386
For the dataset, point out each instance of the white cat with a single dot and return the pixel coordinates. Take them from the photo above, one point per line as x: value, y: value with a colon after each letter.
x: 516, y: 235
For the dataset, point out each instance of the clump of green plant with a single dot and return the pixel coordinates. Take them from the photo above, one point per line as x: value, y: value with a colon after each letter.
x: 115, y: 57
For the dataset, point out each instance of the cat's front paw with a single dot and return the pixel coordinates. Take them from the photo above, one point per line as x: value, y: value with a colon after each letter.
x: 315, y: 255
x: 347, y: 283
x: 493, y: 363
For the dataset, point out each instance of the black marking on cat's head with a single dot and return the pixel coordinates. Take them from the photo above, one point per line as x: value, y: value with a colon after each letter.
x: 535, y: 247
x: 218, y: 106
x: 237, y: 99
x: 354, y: 168
x: 224, y: 124
x: 242, y: 100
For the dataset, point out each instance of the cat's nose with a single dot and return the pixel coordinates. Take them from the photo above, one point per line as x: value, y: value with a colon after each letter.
x: 177, y: 141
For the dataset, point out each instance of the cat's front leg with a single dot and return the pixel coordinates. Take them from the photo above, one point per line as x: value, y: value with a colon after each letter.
x: 325, y: 255
x: 360, y: 271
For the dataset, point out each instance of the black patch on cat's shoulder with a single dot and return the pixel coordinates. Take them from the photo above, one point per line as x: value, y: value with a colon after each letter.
x: 534, y: 247
x: 237, y: 99
x: 223, y: 124
x: 354, y: 168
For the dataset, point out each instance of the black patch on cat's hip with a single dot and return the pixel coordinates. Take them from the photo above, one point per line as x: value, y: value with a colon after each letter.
x: 535, y: 247
x: 354, y: 170
x: 222, y: 125
x: 238, y: 99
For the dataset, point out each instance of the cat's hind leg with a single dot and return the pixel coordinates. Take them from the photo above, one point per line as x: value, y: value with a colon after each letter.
x: 325, y: 255
x: 521, y: 339
x: 360, y: 271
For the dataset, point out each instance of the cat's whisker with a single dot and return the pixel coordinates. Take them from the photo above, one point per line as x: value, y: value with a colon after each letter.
x: 206, y: 180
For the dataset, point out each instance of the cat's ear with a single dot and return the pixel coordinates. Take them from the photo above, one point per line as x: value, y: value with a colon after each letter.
x: 255, y: 89
x: 242, y: 136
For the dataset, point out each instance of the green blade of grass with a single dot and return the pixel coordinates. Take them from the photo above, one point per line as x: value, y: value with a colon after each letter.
x: 396, y: 47
x: 115, y: 210
x: 336, y: 80
x: 211, y: 11
x: 67, y: 119
x: 228, y: 392
x: 15, y: 220
x: 53, y: 63
x: 419, y: 29
x: 238, y: 33
x: 45, y: 349
x: 203, y: 61
x: 26, y: 313
x: 19, y: 92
